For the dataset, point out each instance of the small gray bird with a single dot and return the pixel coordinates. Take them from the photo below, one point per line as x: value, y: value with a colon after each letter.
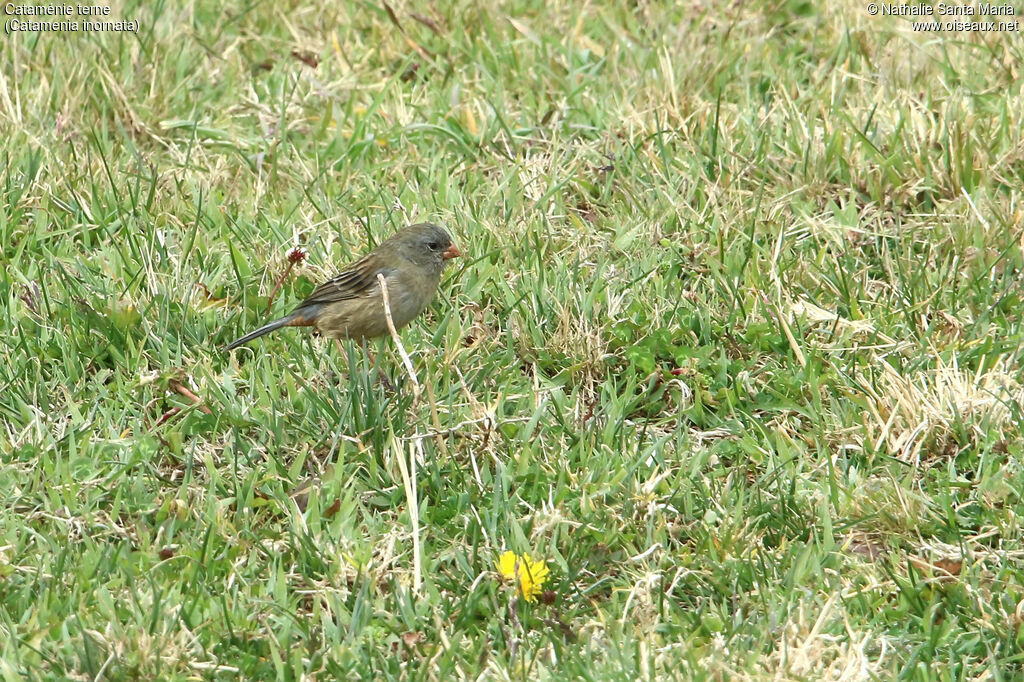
x: 350, y: 305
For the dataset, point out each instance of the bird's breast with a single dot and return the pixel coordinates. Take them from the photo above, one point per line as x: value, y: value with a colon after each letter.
x: 409, y: 295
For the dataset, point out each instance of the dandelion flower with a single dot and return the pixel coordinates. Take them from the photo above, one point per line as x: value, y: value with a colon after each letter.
x: 530, y: 574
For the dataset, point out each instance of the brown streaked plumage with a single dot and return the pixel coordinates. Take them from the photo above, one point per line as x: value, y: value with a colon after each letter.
x: 350, y: 305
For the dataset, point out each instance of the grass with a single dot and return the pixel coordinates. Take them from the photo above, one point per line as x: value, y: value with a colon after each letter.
x: 735, y: 348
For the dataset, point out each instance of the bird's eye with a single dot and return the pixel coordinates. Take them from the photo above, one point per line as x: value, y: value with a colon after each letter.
x: 432, y: 246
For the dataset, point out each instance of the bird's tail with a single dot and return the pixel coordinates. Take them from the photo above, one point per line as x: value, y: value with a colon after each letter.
x: 288, y: 321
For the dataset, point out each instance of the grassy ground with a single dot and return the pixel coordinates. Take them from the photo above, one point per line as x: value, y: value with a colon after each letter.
x: 735, y: 349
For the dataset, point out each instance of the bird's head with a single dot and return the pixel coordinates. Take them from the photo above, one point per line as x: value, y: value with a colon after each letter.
x: 426, y: 244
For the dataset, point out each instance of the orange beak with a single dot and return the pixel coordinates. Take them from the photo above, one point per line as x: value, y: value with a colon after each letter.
x: 451, y: 252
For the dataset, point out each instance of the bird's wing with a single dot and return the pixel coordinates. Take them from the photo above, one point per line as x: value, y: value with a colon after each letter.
x: 356, y: 281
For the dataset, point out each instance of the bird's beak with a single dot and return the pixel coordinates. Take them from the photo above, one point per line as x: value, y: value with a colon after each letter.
x: 451, y: 252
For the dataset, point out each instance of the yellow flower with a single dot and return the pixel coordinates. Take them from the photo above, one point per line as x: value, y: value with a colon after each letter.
x: 531, y: 574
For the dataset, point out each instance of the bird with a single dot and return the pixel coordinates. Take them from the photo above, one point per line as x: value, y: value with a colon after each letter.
x: 350, y: 305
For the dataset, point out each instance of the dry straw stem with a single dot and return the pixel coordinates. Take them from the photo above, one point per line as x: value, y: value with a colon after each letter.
x: 416, y: 388
x: 408, y: 468
x: 780, y: 318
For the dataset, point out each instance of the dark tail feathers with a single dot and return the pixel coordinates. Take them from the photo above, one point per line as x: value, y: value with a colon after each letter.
x: 289, y: 320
